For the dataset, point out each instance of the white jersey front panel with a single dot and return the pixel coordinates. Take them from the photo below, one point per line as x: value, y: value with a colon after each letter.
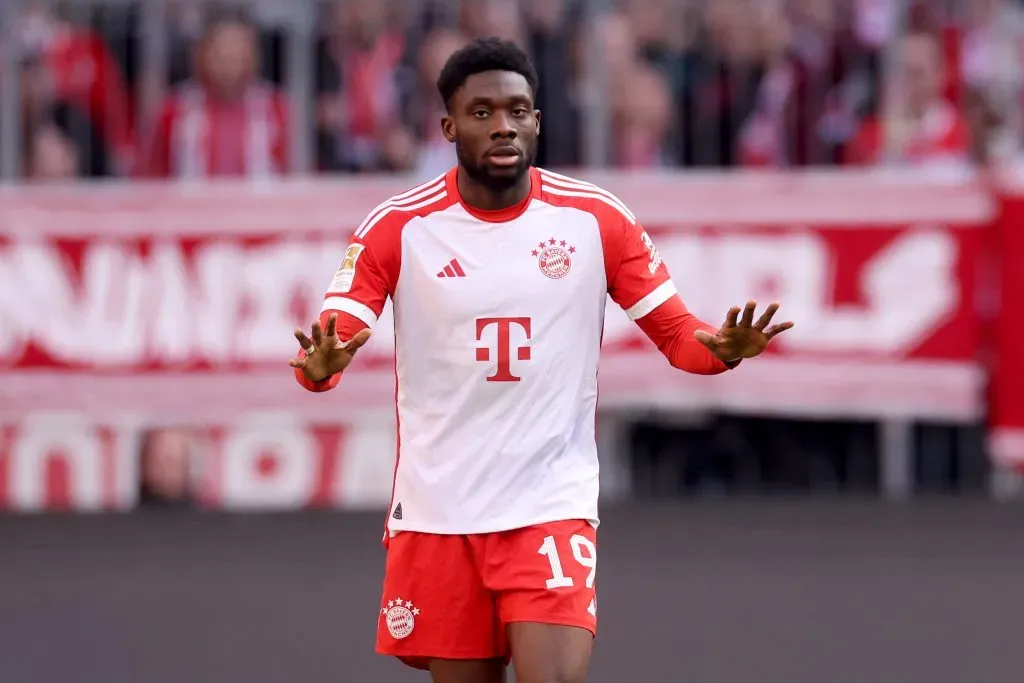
x: 498, y: 332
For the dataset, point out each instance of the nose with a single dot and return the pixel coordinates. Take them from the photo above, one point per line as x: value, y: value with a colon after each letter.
x: 503, y: 128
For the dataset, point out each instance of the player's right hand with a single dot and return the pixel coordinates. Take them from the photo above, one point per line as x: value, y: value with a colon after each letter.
x: 325, y: 353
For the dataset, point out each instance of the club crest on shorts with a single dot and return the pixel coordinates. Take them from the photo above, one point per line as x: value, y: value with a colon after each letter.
x: 400, y: 616
x: 554, y: 258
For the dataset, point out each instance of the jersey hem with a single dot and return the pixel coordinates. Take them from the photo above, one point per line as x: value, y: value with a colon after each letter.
x: 492, y: 528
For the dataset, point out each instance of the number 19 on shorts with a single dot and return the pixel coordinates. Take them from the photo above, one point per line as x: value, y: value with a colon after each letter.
x: 584, y: 552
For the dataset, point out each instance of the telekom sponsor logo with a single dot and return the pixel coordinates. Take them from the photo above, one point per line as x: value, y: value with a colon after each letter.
x: 502, y: 346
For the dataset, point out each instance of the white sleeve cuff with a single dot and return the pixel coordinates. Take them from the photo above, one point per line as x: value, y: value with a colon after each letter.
x: 660, y: 295
x: 352, y: 307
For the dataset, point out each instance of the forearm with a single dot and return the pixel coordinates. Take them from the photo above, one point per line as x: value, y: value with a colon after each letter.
x: 671, y: 327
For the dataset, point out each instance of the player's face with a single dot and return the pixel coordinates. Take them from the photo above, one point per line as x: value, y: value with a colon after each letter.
x: 494, y: 126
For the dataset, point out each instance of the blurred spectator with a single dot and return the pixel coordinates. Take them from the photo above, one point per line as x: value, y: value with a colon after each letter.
x: 835, y: 99
x: 549, y: 36
x: 493, y: 18
x: 722, y: 90
x: 165, y: 470
x: 184, y: 29
x: 51, y: 156
x: 81, y: 72
x: 185, y: 21
x: 618, y: 47
x: 834, y: 62
x: 226, y: 122
x: 920, y: 126
x: 62, y: 144
x: 642, y: 116
x: 991, y: 66
x: 436, y: 154
x: 358, y: 126
x: 765, y: 135
x: 36, y: 86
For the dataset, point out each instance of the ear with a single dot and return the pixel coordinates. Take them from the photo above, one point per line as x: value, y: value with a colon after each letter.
x: 448, y: 127
x: 536, y: 116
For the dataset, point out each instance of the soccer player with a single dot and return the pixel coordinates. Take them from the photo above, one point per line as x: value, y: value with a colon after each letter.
x: 499, y: 274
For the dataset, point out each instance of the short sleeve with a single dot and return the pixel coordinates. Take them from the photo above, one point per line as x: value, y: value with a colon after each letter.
x: 638, y: 279
x: 368, y: 273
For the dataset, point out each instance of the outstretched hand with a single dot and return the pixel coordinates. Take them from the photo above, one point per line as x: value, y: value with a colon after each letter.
x: 326, y: 354
x: 741, y: 338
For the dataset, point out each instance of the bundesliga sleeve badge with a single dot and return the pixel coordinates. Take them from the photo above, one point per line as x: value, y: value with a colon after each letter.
x: 347, y: 270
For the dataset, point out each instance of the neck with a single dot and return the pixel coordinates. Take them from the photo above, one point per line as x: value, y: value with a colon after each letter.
x: 228, y: 94
x: 481, y: 197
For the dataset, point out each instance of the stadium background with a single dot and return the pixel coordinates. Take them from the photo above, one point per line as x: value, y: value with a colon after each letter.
x: 839, y: 510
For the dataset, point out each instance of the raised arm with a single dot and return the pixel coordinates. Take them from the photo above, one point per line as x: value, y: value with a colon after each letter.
x: 639, y: 281
x: 352, y: 304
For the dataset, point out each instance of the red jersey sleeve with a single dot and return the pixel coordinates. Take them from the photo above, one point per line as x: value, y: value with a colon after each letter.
x: 366, y: 277
x: 638, y: 279
x: 639, y: 282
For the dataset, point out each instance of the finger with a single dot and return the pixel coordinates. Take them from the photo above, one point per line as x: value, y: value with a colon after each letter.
x: 297, y: 362
x: 766, y: 317
x: 304, y: 342
x: 318, y: 335
x: 731, y: 316
x: 748, y: 314
x: 360, y: 338
x: 707, y: 339
x: 778, y: 329
x: 332, y: 325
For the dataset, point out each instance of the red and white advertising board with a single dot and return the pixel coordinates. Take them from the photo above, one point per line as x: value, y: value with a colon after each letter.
x: 123, y: 306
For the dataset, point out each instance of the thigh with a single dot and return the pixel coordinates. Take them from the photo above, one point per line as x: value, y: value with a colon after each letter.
x: 549, y: 653
x: 434, y: 604
x: 545, y: 574
x: 467, y: 671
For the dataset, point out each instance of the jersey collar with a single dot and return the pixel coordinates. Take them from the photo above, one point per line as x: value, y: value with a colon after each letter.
x: 501, y: 215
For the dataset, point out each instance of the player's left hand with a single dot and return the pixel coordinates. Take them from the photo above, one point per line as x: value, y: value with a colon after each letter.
x: 741, y: 338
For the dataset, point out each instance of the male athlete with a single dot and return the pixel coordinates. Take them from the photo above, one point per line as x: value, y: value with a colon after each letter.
x: 499, y: 274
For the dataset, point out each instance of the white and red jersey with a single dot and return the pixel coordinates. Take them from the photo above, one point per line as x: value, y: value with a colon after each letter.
x: 498, y: 324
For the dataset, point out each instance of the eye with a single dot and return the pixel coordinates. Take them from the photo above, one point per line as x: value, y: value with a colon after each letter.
x: 481, y: 113
x: 520, y: 112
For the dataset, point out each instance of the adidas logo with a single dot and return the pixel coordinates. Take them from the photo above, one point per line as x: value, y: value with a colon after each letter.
x: 453, y: 269
x: 398, y: 512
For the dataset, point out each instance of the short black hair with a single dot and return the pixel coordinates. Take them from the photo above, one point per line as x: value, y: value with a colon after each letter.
x: 480, y: 55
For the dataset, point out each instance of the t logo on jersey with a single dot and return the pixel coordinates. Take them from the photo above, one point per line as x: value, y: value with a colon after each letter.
x: 483, y: 354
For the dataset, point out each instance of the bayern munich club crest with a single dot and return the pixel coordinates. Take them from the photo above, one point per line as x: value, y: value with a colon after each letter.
x: 554, y: 258
x: 400, y: 617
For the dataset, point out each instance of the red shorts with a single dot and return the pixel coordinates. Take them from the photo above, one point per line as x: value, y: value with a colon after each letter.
x: 450, y: 597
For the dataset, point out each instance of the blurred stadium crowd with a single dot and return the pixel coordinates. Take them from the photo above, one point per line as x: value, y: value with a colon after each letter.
x: 191, y: 89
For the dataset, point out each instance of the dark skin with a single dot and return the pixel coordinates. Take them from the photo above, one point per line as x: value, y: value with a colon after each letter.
x: 493, y: 112
x: 494, y: 125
